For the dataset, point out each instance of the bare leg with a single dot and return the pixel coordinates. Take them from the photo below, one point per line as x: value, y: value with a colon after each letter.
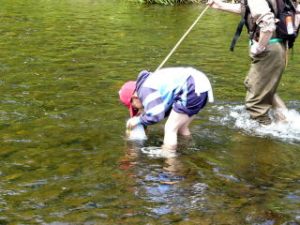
x: 175, y: 122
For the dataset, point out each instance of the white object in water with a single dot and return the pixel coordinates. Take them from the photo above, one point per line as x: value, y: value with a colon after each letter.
x: 137, y: 133
x: 158, y: 152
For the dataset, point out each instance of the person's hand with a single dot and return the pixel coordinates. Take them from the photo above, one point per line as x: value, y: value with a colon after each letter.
x: 133, y: 122
x: 256, y: 49
x: 216, y: 4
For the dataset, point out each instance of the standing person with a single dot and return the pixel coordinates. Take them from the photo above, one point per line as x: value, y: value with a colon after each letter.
x: 178, y: 93
x: 268, y: 57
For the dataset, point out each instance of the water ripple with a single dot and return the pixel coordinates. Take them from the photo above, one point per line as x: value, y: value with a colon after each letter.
x: 238, y: 117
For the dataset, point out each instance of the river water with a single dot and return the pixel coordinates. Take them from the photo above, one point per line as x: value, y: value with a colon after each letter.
x: 64, y: 156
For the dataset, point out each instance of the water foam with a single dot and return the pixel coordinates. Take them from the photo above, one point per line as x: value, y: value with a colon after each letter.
x: 158, y: 152
x: 238, y: 117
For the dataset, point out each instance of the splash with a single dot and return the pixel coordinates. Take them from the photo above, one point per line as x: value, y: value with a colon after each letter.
x: 238, y: 117
x: 158, y: 152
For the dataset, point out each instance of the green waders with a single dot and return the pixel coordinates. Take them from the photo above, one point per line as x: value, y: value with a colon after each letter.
x: 263, y: 79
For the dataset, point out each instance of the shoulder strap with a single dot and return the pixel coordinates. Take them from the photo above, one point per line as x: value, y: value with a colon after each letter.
x: 239, y: 29
x: 272, y: 8
x: 292, y: 4
x: 237, y: 34
x: 281, y: 5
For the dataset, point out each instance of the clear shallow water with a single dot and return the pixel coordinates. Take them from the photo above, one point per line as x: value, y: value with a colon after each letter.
x: 64, y: 156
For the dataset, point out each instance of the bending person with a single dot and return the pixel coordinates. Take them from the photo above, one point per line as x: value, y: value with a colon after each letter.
x: 178, y: 93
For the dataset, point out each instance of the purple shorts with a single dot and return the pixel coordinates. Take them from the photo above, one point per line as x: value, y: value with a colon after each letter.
x: 188, y: 102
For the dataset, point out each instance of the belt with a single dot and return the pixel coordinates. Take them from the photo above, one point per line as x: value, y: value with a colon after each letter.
x: 275, y: 40
x: 272, y: 41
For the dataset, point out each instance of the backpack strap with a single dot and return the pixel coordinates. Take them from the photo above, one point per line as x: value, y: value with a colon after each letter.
x: 240, y: 26
x: 237, y: 34
x: 281, y: 4
x: 291, y: 4
x: 272, y: 8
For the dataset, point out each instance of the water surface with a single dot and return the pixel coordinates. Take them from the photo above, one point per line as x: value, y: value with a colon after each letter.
x: 64, y: 156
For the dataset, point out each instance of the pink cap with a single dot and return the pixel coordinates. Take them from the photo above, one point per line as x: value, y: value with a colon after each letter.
x: 125, y: 94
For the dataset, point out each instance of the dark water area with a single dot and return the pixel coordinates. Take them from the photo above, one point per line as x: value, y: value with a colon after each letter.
x: 64, y: 157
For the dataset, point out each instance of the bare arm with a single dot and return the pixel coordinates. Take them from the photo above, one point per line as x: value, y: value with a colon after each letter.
x: 297, y: 18
x: 224, y: 6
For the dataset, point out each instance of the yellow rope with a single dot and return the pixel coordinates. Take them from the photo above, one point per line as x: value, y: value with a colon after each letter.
x: 182, y: 38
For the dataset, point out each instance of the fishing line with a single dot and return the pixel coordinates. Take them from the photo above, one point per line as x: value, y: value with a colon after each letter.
x: 182, y: 38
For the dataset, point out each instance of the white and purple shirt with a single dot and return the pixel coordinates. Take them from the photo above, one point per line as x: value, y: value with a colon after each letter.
x: 171, y: 87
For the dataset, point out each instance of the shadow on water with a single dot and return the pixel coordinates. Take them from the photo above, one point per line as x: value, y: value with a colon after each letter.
x: 64, y: 156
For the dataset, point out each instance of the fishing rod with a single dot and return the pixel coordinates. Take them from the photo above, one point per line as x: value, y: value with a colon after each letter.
x: 182, y: 38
